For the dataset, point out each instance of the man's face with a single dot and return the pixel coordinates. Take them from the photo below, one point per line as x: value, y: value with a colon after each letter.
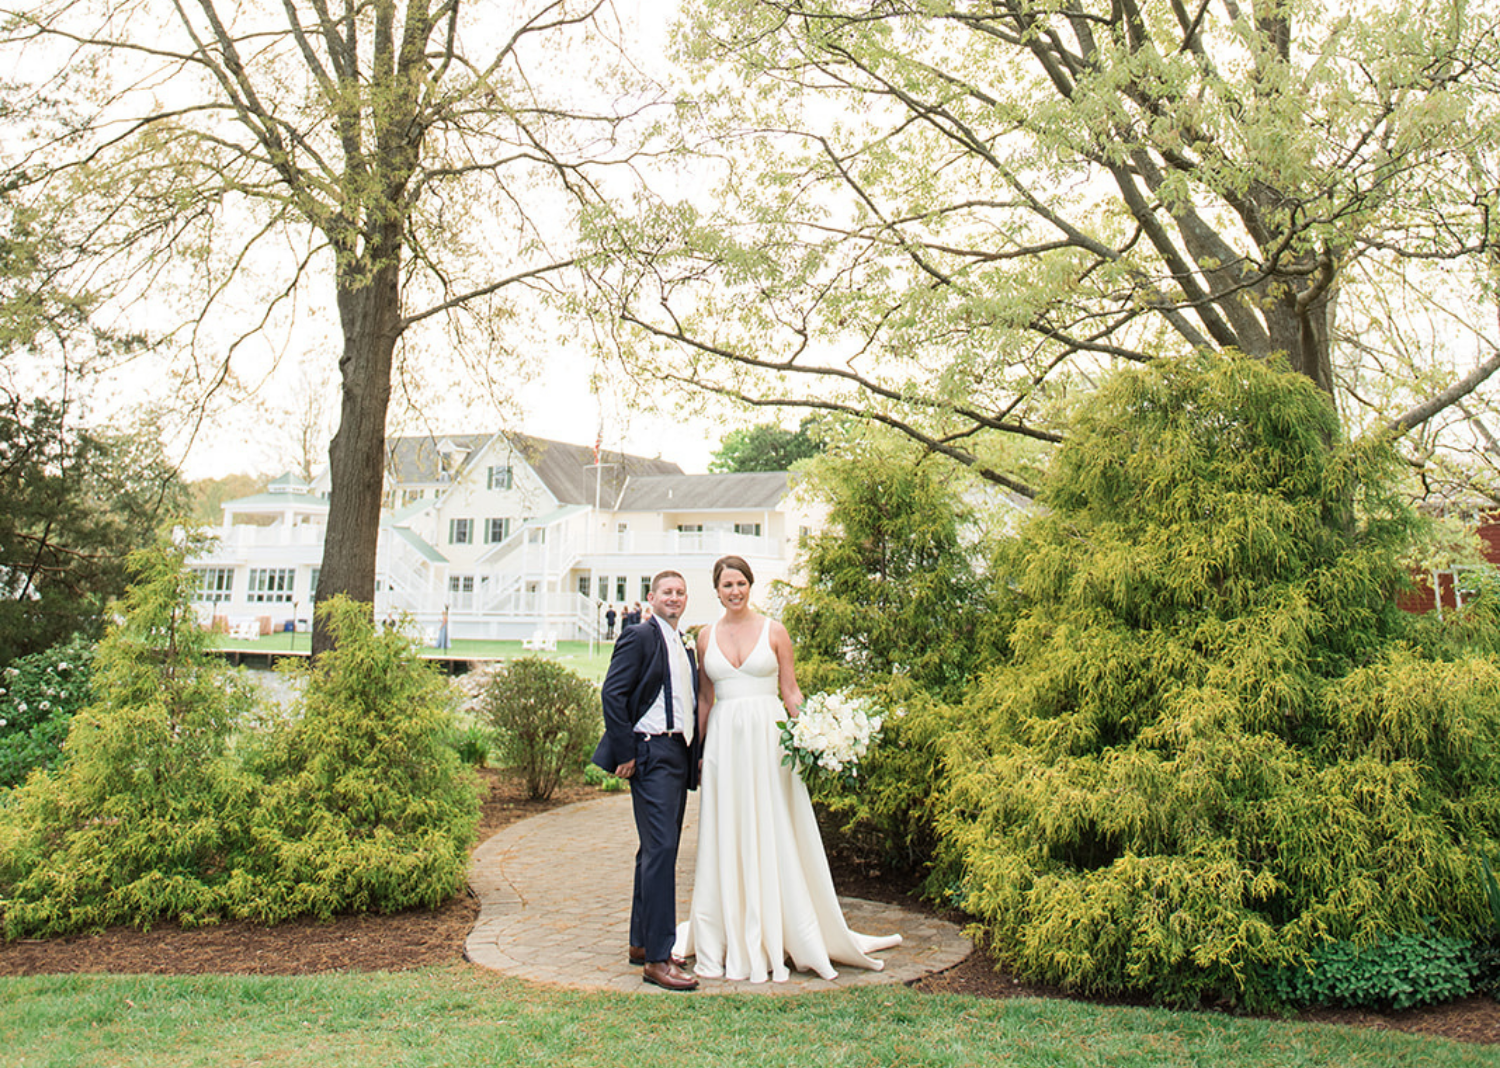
x: 669, y: 599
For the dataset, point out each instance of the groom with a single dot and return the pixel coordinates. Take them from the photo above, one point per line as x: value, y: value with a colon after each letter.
x: 650, y: 697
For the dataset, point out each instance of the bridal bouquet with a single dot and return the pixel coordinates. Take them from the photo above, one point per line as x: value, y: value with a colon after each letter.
x: 829, y: 737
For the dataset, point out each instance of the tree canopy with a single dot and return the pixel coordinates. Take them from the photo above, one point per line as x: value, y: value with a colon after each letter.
x: 407, y: 157
x: 74, y: 504
x: 765, y: 447
x: 951, y: 217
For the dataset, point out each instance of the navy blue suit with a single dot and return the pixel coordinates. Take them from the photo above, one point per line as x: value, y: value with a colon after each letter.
x: 665, y: 769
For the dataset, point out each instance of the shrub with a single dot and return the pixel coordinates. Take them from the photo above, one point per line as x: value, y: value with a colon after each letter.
x: 39, y: 695
x: 148, y: 818
x: 1397, y: 972
x: 546, y: 718
x: 1216, y: 750
x: 366, y: 806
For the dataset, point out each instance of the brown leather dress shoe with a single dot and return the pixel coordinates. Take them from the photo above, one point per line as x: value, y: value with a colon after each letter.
x: 638, y: 957
x: 668, y: 976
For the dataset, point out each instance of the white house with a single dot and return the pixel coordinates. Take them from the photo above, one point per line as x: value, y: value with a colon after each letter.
x: 511, y: 535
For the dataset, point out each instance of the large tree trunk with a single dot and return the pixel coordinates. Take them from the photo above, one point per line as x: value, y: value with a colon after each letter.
x: 370, y: 311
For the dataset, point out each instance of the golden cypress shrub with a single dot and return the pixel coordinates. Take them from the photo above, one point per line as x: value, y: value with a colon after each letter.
x: 1219, y: 744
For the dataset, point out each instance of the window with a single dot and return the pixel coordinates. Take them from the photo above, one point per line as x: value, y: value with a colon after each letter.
x: 461, y: 591
x: 500, y: 478
x: 460, y: 531
x: 620, y: 588
x: 583, y: 585
x: 411, y: 496
x: 312, y: 582
x: 752, y: 529
x: 270, y: 584
x: 804, y: 535
x: 214, y: 584
x: 604, y: 588
x: 690, y: 528
x: 496, y: 531
x: 537, y: 535
x: 645, y: 586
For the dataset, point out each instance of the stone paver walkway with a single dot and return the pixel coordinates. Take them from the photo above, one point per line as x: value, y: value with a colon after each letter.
x: 554, y: 894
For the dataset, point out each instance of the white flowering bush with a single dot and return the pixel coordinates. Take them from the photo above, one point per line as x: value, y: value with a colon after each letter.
x: 38, y: 696
x: 829, y: 736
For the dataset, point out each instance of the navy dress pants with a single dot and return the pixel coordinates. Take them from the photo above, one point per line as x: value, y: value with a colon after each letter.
x: 658, y: 794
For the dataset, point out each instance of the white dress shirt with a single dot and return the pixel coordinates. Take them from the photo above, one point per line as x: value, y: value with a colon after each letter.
x: 683, y: 713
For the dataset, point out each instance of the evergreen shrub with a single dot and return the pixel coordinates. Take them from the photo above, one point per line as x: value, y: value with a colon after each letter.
x: 182, y: 800
x: 1219, y: 745
x: 39, y: 695
x: 148, y: 818
x: 546, y: 719
x: 365, y: 807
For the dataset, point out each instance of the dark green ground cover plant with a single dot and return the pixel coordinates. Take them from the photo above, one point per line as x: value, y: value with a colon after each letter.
x: 182, y: 801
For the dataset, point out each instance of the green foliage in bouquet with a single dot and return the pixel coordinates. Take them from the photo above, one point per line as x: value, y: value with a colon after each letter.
x: 546, y: 719
x: 366, y: 806
x: 148, y: 817
x: 1215, y: 750
x: 39, y: 695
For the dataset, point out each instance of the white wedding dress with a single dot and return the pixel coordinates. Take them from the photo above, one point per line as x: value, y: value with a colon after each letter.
x: 762, y: 892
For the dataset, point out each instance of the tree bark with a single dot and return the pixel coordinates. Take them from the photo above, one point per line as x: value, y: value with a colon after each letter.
x: 370, y: 312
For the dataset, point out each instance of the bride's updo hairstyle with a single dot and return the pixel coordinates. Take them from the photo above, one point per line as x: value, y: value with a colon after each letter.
x: 732, y: 563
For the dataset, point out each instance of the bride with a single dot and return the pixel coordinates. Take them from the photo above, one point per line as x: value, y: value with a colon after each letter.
x: 762, y: 892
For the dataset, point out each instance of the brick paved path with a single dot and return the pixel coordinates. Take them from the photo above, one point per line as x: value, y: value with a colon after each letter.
x: 554, y: 894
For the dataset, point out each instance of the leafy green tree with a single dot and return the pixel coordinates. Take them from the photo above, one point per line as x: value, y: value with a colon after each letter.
x: 894, y: 605
x: 946, y: 216
x: 210, y: 494
x: 1216, y: 747
x: 892, y: 586
x: 765, y: 447
x: 74, y: 504
x: 394, y: 153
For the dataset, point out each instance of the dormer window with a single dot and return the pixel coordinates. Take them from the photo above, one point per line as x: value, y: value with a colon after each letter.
x: 500, y: 478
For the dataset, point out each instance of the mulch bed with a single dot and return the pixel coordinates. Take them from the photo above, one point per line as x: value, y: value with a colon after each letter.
x: 419, y: 937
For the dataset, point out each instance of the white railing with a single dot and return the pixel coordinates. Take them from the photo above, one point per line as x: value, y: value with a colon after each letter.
x: 679, y: 543
x: 277, y: 535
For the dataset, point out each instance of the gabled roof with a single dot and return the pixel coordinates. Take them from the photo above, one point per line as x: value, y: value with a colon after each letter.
x: 421, y: 459
x: 703, y: 493
x: 566, y: 470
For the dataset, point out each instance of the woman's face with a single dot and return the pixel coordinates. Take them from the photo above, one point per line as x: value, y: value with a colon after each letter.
x: 733, y: 588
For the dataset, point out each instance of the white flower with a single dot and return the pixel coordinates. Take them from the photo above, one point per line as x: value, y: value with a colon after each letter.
x: 3, y: 722
x: 46, y: 706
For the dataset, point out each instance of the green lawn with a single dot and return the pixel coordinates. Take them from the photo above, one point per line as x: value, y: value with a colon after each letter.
x: 462, y: 1016
x: 575, y: 655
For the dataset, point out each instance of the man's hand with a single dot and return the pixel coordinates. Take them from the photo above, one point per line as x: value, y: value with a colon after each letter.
x: 625, y: 770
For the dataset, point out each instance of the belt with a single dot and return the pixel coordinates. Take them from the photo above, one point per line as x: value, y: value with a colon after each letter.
x: 662, y: 734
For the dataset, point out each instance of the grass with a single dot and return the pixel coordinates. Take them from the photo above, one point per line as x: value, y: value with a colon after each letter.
x: 460, y: 1015
x: 576, y: 655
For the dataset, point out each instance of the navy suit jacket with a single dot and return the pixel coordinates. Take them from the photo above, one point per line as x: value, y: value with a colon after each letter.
x: 637, y: 672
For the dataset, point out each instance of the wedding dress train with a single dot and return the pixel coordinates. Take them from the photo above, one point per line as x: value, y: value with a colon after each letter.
x: 762, y: 892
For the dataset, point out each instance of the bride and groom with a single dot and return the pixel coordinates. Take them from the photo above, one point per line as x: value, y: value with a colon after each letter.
x: 762, y: 892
